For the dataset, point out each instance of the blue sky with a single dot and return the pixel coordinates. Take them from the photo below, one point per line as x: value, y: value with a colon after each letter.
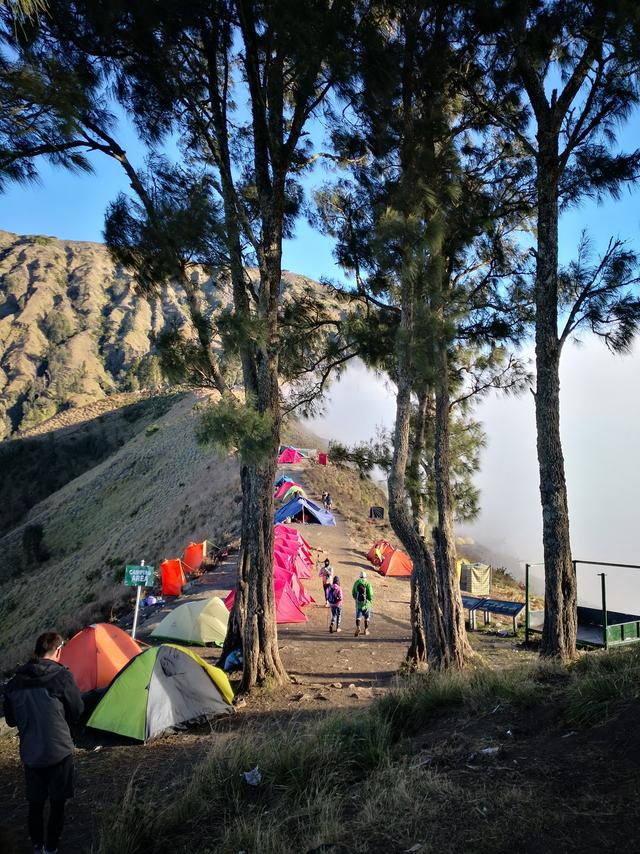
x: 72, y: 207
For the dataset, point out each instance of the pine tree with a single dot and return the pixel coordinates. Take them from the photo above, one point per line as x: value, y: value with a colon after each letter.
x: 563, y: 76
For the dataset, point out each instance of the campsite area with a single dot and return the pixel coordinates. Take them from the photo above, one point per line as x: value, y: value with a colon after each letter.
x: 328, y: 672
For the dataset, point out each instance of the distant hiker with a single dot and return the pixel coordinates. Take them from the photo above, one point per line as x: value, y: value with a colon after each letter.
x: 324, y: 497
x: 326, y: 574
x: 363, y: 595
x: 334, y: 597
x: 327, y: 501
x: 43, y: 700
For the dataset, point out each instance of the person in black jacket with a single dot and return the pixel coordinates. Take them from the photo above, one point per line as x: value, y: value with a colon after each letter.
x: 43, y: 700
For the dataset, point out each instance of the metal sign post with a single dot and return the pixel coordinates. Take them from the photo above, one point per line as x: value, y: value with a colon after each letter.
x: 138, y: 576
x: 137, y: 608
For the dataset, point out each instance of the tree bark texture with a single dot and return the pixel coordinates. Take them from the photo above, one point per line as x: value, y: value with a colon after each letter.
x: 443, y: 534
x: 417, y: 652
x: 560, y: 621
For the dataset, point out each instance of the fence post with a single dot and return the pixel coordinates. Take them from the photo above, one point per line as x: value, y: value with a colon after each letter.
x: 605, y: 638
x: 526, y: 603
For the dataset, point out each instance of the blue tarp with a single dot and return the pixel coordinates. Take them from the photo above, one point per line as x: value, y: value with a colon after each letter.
x: 312, y: 512
x: 280, y: 480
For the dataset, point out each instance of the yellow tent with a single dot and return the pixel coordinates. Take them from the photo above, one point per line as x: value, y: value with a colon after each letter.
x: 201, y: 622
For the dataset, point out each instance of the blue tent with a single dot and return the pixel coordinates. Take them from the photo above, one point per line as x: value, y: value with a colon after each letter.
x: 298, y: 506
x: 280, y: 480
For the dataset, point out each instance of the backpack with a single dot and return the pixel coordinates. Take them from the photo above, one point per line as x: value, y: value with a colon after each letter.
x: 361, y: 593
x: 334, y: 596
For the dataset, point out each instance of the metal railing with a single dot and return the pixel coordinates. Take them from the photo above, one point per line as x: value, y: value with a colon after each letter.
x: 603, y: 591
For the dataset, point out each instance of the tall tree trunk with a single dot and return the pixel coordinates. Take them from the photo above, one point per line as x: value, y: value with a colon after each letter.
x: 400, y: 514
x: 560, y: 621
x: 417, y: 652
x: 443, y: 534
x: 261, y: 656
x: 234, y: 637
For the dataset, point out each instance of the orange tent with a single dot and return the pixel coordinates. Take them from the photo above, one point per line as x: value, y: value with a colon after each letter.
x: 194, y: 554
x: 379, y: 551
x: 96, y: 654
x: 396, y: 563
x: 173, y: 577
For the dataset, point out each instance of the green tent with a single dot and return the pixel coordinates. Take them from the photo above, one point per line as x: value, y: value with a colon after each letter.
x: 201, y: 622
x: 161, y: 688
x: 292, y: 492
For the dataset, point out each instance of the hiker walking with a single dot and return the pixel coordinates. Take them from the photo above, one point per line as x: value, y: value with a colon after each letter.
x: 326, y: 574
x: 43, y: 700
x: 363, y: 595
x: 327, y: 501
x: 334, y: 597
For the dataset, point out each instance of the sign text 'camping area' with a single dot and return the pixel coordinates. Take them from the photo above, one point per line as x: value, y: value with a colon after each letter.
x: 139, y: 576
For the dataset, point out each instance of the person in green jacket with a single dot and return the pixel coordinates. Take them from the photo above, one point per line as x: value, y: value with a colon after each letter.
x: 363, y: 595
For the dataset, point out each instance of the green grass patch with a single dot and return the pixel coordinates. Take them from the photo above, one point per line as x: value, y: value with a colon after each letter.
x: 601, y: 680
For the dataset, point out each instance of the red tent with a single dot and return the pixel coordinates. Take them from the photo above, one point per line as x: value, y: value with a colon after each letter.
x: 290, y: 455
x: 173, y: 577
x: 396, y: 563
x: 194, y: 554
x: 378, y: 552
x: 322, y: 459
x: 96, y: 654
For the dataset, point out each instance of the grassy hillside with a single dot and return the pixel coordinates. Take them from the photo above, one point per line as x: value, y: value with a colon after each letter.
x: 147, y: 500
x: 41, y: 462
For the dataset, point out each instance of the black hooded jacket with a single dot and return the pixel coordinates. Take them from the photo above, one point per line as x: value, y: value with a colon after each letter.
x: 42, y: 700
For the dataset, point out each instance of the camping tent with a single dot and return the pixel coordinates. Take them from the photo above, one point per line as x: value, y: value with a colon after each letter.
x: 201, y: 622
x: 173, y: 577
x: 161, y: 688
x: 283, y: 487
x: 96, y: 654
x: 304, y: 510
x: 194, y: 554
x: 292, y: 492
x: 378, y: 552
x: 287, y: 603
x: 396, y: 562
x: 289, y: 455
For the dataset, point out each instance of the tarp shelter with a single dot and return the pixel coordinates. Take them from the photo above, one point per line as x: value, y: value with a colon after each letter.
x: 322, y: 459
x: 194, y: 554
x: 396, y: 562
x: 173, y: 577
x: 289, y: 455
x: 304, y: 510
x: 287, y: 606
x: 201, y: 622
x: 161, y: 688
x: 284, y: 487
x: 378, y: 552
x: 96, y: 654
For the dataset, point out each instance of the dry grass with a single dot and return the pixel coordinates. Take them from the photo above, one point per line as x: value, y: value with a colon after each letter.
x: 364, y: 781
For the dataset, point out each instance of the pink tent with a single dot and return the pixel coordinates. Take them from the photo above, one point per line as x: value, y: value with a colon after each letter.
x: 287, y: 607
x: 288, y: 531
x: 284, y: 487
x: 322, y: 459
x: 290, y: 455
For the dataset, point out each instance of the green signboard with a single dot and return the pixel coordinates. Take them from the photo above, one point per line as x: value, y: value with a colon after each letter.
x: 139, y: 576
